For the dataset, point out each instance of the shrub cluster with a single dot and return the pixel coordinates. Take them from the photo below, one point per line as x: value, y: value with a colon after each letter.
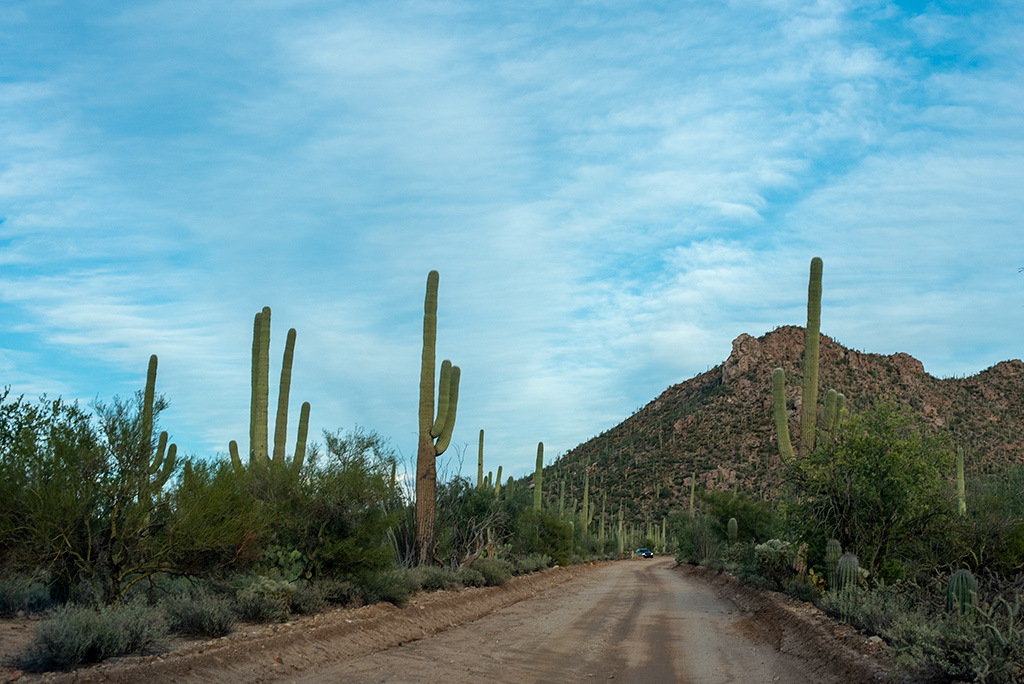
x: 77, y: 635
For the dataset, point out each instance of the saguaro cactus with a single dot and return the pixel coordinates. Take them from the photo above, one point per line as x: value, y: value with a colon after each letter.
x: 259, y: 447
x: 480, y: 462
x: 961, y: 487
x: 847, y: 571
x: 157, y: 465
x: 962, y: 593
x: 538, y: 477
x: 812, y: 337
x: 435, y: 432
x: 732, y: 529
x: 809, y: 401
x: 833, y: 551
x: 585, y: 511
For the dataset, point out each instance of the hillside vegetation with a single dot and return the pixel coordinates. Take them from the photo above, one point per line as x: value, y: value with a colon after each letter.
x: 718, y: 424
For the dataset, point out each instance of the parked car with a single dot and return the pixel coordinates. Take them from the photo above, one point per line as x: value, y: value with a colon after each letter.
x: 645, y: 553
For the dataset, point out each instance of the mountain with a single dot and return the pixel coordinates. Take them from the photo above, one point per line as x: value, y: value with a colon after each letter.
x: 719, y: 424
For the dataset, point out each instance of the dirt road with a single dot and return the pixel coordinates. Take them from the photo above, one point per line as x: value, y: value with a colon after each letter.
x: 636, y: 621
x: 627, y: 621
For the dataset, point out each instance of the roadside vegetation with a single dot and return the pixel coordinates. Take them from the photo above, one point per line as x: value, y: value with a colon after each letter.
x: 878, y: 524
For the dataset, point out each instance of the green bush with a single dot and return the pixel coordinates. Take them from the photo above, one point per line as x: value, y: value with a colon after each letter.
x: 774, y: 558
x: 531, y: 563
x: 543, y: 532
x: 432, y: 578
x: 471, y: 577
x: 389, y: 586
x: 264, y: 600
x: 197, y: 613
x: 340, y: 592
x: 306, y: 598
x: 77, y: 635
x: 496, y: 572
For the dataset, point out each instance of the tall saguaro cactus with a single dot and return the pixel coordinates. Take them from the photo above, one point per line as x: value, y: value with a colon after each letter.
x: 812, y: 338
x: 809, y: 400
x: 435, y: 432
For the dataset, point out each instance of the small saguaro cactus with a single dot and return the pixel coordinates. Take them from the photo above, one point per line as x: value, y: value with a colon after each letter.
x: 833, y: 551
x: 538, y: 477
x: 732, y: 528
x: 961, y: 487
x: 847, y: 571
x: 962, y: 593
x: 480, y: 462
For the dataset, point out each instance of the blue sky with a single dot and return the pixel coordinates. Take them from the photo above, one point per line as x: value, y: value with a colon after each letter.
x: 611, y: 191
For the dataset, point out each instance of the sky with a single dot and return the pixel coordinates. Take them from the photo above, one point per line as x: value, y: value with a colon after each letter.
x: 611, y: 191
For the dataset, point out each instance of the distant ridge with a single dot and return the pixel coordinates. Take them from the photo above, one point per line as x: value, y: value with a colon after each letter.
x: 719, y: 423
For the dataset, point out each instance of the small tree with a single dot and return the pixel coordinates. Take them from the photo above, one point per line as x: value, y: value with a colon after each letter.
x: 878, y: 486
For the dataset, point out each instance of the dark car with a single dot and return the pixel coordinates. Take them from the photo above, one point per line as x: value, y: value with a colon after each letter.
x: 646, y: 553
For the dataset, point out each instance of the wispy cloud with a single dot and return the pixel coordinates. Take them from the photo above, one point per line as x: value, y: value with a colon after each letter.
x: 611, y: 194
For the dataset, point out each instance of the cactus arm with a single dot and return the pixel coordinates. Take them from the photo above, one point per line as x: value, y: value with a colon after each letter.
x: 281, y: 423
x: 781, y: 417
x: 236, y: 462
x: 497, y: 482
x: 443, y: 392
x: 831, y: 412
x: 158, y: 458
x: 809, y: 407
x: 300, y: 443
x: 170, y: 461
x: 445, y: 438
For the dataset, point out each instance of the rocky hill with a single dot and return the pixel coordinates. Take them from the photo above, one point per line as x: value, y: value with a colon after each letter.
x: 719, y: 424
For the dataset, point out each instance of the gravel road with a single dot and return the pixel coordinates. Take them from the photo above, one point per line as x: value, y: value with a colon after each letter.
x: 636, y: 621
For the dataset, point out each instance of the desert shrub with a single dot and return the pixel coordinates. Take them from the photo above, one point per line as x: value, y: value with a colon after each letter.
x: 264, y: 600
x: 306, y: 599
x: 433, y: 578
x: 77, y: 635
x: 471, y: 577
x: 531, y: 563
x: 340, y: 592
x: 198, y: 613
x: 496, y: 572
x: 22, y: 594
x: 774, y: 558
x: 801, y: 591
x: 739, y: 560
x: 390, y: 586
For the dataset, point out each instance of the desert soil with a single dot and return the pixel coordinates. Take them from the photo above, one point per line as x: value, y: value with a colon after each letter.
x: 628, y: 621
